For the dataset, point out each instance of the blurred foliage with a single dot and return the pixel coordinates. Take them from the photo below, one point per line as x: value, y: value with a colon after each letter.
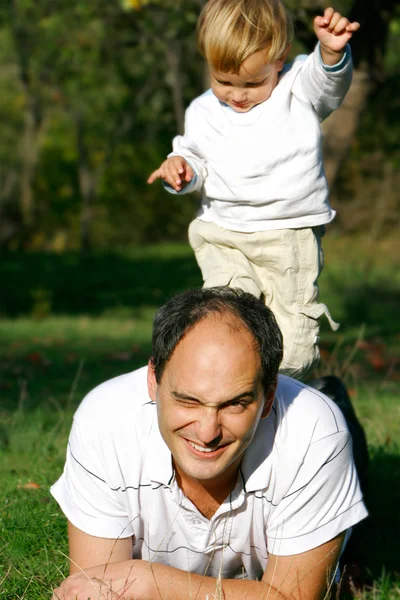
x: 92, y: 95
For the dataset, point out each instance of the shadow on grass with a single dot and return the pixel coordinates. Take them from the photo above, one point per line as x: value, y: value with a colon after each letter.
x: 40, y: 284
x: 362, y: 298
x: 375, y: 543
x: 71, y: 284
x: 382, y: 546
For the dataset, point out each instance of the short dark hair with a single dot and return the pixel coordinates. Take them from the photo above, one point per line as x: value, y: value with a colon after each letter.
x: 182, y: 312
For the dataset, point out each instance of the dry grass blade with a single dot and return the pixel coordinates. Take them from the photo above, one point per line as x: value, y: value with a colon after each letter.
x: 75, y: 382
x: 5, y: 576
x: 346, y: 365
x: 26, y: 589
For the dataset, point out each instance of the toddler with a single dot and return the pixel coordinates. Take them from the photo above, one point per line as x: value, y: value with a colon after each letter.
x: 252, y: 145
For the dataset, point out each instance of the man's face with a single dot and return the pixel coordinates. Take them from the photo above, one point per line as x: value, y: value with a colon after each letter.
x: 253, y: 84
x: 210, y: 399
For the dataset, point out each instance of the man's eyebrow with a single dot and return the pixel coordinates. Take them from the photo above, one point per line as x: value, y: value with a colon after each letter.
x: 250, y: 395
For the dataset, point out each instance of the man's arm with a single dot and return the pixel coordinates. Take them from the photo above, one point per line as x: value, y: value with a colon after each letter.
x: 87, y: 551
x: 304, y: 576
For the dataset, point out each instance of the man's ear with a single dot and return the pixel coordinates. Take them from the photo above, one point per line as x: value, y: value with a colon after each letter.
x: 151, y: 380
x: 269, y: 399
x: 281, y: 60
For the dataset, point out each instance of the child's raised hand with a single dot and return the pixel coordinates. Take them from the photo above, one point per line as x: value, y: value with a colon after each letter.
x: 175, y: 171
x: 334, y: 31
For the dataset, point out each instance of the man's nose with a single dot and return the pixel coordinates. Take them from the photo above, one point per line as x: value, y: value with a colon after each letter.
x: 208, y: 425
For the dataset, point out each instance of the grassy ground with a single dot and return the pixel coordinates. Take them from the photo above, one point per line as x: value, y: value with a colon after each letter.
x: 67, y: 323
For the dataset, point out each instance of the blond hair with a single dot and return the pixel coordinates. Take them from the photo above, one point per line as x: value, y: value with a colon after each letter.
x: 229, y: 31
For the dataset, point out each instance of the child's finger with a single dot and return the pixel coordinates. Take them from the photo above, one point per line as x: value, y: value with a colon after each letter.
x: 184, y: 170
x: 172, y: 176
x: 189, y: 173
x: 333, y: 22
x: 351, y: 27
x: 340, y: 26
x: 319, y: 22
x: 155, y: 175
x: 328, y: 14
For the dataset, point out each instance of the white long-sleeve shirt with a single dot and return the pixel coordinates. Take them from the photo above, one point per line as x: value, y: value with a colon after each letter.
x: 263, y: 169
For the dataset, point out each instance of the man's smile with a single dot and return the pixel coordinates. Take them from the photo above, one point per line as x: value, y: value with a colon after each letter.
x: 204, y: 451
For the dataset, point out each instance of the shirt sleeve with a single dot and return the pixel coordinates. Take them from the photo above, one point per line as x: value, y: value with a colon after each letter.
x: 324, y: 86
x: 186, y: 146
x: 323, y: 500
x: 86, y: 495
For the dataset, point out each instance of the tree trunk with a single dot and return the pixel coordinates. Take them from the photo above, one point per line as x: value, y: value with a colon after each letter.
x: 173, y: 55
x: 87, y: 185
x: 340, y: 127
x: 29, y: 156
x: 33, y: 117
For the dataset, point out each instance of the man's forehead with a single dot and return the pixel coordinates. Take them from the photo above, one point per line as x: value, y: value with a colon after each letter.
x: 217, y: 321
x: 214, y: 336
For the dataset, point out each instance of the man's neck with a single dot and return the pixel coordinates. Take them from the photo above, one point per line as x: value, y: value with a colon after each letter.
x: 207, y: 495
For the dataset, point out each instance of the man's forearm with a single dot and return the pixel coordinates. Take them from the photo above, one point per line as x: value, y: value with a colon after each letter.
x: 182, y: 585
x: 142, y: 580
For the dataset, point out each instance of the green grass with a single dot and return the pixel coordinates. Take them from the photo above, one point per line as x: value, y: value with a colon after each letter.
x: 69, y: 322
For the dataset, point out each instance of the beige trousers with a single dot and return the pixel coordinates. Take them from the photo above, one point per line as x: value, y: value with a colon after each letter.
x: 282, y: 267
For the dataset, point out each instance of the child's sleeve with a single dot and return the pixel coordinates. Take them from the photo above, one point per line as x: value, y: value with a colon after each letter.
x: 186, y: 146
x: 324, y: 86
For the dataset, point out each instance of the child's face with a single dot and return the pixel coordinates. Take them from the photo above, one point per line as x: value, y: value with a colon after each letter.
x: 252, y: 85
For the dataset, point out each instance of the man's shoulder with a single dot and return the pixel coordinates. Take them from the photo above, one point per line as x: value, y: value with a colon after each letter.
x: 300, y: 420
x: 304, y: 408
x: 115, y: 401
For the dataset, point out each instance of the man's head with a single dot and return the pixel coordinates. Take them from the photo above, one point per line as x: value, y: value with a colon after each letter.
x: 245, y: 43
x: 216, y: 354
x: 180, y: 314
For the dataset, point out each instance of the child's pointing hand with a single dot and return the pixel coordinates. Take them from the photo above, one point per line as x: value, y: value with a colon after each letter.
x: 175, y: 171
x: 333, y: 31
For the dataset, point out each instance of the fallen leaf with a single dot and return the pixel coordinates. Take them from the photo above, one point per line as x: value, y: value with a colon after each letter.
x: 35, y: 358
x: 377, y: 361
x: 31, y: 485
x: 325, y: 354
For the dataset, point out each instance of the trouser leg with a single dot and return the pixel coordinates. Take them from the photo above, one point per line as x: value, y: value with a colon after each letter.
x: 283, y: 266
x: 220, y: 260
x: 292, y: 262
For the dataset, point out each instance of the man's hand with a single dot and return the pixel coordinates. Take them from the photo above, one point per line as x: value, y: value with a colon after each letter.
x: 175, y: 171
x: 333, y: 31
x: 115, y: 581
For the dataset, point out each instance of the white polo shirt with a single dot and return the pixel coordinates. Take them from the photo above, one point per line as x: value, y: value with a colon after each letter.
x: 297, y: 486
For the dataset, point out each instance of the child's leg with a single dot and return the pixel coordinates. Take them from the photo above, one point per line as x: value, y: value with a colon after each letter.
x: 220, y: 259
x: 284, y: 266
x: 293, y: 261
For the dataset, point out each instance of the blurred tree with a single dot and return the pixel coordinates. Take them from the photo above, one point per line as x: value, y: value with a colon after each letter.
x: 93, y: 93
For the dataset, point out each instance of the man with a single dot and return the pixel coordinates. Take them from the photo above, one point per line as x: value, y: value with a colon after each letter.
x: 216, y: 480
